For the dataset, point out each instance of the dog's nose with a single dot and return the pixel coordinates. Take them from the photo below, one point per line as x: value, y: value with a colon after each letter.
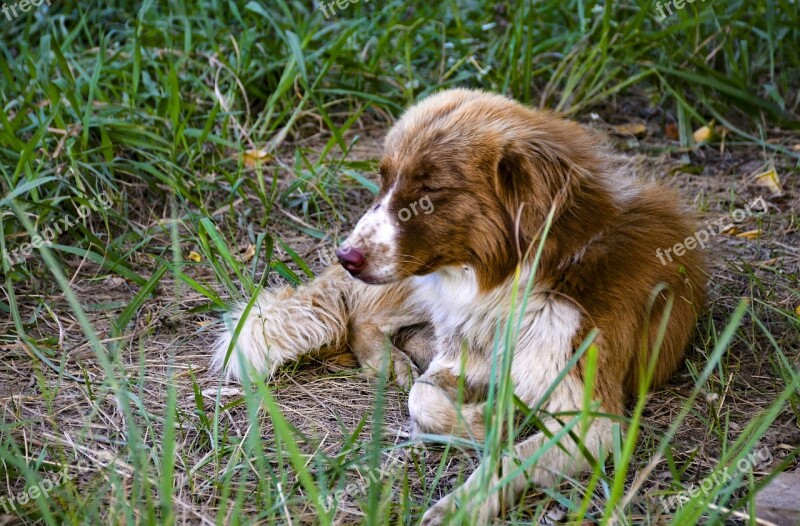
x: 351, y: 259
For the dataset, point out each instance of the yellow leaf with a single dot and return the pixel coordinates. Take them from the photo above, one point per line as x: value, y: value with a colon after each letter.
x: 194, y: 256
x: 632, y: 128
x: 248, y: 254
x: 251, y: 157
x: 704, y: 134
x: 797, y: 311
x: 750, y: 234
x: 770, y: 180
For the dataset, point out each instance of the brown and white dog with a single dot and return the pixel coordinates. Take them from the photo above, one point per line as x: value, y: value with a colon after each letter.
x: 492, y: 170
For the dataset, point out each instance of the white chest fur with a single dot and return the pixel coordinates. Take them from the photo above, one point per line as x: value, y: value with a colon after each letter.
x: 461, y: 313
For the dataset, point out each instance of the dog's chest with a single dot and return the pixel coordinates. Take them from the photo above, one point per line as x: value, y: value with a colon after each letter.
x: 450, y: 296
x: 543, y: 330
x: 460, y: 312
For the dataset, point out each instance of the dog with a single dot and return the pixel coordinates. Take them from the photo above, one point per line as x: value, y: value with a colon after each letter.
x: 516, y: 194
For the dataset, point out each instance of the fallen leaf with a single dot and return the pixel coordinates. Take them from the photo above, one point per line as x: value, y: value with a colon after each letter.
x: 704, y: 134
x: 248, y: 254
x: 636, y: 129
x: 671, y: 131
x: 770, y: 180
x: 730, y: 230
x: 769, y: 262
x: 223, y: 391
x: 194, y: 256
x: 750, y: 234
x: 113, y: 282
x: 251, y: 157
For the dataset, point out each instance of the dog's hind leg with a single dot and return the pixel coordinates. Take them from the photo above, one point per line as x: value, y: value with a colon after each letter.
x: 556, y: 452
x: 418, y: 342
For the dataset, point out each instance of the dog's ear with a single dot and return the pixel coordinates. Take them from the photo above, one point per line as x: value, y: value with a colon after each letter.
x: 529, y: 181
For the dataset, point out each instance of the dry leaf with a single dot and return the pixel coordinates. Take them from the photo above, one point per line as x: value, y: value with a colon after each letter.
x: 704, y: 134
x: 770, y: 179
x: 251, y: 157
x: 204, y: 323
x: 248, y: 254
x: 671, y: 131
x: 113, y: 282
x: 223, y: 391
x: 769, y: 262
x: 750, y: 234
x: 194, y: 256
x: 730, y: 230
x: 632, y: 128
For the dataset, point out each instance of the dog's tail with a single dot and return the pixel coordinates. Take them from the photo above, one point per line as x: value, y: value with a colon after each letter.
x: 282, y: 326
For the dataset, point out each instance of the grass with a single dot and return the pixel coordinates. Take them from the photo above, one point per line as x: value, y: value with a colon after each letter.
x: 238, y: 142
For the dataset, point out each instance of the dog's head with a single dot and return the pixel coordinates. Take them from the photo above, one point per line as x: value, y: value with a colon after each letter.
x: 455, y: 174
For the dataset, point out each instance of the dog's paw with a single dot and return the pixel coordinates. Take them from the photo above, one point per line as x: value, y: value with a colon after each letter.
x: 440, y: 513
x: 405, y: 372
x: 401, y: 369
x: 444, y: 511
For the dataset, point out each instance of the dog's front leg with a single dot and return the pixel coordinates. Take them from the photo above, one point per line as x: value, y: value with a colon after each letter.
x: 553, y: 463
x: 283, y: 325
x: 435, y: 408
x: 325, y: 317
x: 375, y: 352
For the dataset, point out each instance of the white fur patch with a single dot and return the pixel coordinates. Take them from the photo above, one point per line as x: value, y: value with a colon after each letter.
x: 544, y: 347
x: 621, y: 182
x: 461, y: 313
x: 450, y: 294
x: 376, y: 235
